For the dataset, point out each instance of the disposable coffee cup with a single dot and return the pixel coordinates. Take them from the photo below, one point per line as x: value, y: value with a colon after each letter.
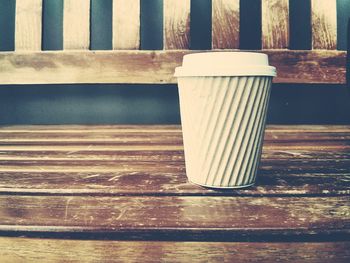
x: 223, y: 103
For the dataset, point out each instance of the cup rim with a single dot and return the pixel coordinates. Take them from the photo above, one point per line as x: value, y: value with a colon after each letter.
x: 220, y: 63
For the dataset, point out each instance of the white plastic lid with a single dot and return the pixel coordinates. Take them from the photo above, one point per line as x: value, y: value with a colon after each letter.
x: 225, y: 64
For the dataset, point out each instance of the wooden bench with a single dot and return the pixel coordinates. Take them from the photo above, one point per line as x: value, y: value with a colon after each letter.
x: 119, y: 192
x: 126, y: 64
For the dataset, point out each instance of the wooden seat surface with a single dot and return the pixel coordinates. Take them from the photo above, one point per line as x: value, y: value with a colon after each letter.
x: 69, y: 187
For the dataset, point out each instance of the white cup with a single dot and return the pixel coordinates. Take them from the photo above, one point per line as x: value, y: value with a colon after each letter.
x: 223, y: 103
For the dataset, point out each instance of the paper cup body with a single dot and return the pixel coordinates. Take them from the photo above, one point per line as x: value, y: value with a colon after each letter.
x: 223, y: 119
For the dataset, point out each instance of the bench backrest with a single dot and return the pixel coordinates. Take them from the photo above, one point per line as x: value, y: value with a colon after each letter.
x: 28, y: 64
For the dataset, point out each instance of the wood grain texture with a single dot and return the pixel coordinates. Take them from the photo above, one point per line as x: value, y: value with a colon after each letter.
x: 309, y: 67
x: 154, y: 66
x: 177, y: 24
x: 275, y: 24
x: 128, y: 182
x: 151, y: 216
x: 50, y: 250
x: 140, y: 159
x: 28, y: 25
x: 76, y: 24
x: 165, y: 182
x: 144, y: 128
x: 324, y: 24
x: 126, y: 24
x: 225, y: 24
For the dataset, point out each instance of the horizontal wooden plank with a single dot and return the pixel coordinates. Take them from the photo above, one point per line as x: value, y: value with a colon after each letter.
x: 166, y: 146
x: 108, y: 142
x: 157, y: 155
x: 139, y: 128
x: 161, y: 127
x: 266, y: 166
x: 275, y: 136
x: 308, y: 128
x: 151, y: 216
x: 115, y: 136
x: 148, y: 137
x: 146, y: 130
x: 272, y: 154
x: 309, y: 67
x: 51, y: 250
x: 149, y: 145
x: 153, y: 66
x: 93, y: 136
x: 105, y: 148
x: 169, y: 182
x: 145, y: 156
x: 93, y: 147
x: 71, y: 128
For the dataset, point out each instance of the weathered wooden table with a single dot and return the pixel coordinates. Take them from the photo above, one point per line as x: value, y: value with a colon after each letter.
x: 104, y: 193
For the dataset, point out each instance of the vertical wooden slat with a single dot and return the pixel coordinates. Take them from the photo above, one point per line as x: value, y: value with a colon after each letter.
x: 324, y: 24
x: 225, y: 21
x: 275, y: 24
x: 76, y: 24
x: 177, y: 24
x: 126, y: 24
x: 28, y: 25
x: 348, y: 56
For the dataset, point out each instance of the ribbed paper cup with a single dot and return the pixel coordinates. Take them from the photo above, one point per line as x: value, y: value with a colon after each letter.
x: 223, y: 108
